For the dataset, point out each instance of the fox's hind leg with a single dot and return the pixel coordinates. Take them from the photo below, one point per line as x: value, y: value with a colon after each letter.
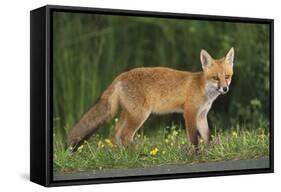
x: 132, y: 125
x: 127, y: 126
x: 118, y: 129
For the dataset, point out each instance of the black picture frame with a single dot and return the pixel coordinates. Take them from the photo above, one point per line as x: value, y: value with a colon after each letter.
x: 41, y: 148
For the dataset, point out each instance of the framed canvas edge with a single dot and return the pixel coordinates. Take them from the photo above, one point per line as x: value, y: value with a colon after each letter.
x: 37, y: 96
x: 127, y: 12
x: 159, y: 177
x: 48, y: 169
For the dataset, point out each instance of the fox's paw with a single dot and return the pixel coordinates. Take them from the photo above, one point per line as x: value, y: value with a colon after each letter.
x: 193, y: 151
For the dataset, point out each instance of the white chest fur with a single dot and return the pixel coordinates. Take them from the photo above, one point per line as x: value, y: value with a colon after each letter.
x: 211, y: 95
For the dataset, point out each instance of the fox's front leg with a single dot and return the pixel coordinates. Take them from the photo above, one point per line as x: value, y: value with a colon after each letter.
x: 202, y: 127
x: 190, y: 125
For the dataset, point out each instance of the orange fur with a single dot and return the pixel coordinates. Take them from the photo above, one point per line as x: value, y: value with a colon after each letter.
x: 142, y: 91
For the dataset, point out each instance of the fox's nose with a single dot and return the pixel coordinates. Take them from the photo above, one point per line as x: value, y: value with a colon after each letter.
x: 225, y: 89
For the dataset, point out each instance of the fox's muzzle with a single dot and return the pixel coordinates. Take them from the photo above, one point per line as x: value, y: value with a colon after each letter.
x: 223, y: 90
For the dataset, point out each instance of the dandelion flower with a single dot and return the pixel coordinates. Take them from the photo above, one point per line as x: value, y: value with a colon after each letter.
x: 108, y: 142
x: 262, y: 136
x: 234, y: 134
x: 175, y: 133
x: 80, y: 148
x: 154, y: 151
x: 100, y: 144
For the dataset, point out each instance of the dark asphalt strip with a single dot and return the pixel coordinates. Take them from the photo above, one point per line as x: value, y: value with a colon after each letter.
x: 167, y: 169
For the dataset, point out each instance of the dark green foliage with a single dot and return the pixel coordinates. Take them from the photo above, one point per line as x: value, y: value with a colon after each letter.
x: 91, y: 50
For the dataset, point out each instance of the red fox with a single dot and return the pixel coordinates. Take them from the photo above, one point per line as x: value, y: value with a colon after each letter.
x: 159, y: 90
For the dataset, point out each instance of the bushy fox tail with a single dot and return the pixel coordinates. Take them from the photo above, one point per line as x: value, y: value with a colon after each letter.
x: 102, y: 111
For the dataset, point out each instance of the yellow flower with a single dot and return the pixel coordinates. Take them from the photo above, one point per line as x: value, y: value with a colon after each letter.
x: 100, y: 144
x: 174, y: 133
x: 154, y: 151
x: 234, y: 134
x: 108, y: 142
x: 80, y: 148
x: 262, y: 136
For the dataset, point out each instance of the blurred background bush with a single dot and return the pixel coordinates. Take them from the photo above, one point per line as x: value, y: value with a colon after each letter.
x: 91, y: 50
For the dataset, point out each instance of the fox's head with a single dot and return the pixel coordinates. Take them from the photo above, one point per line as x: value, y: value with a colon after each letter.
x: 217, y: 72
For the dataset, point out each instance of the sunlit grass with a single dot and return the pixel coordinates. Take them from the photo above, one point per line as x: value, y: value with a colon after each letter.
x: 165, y: 146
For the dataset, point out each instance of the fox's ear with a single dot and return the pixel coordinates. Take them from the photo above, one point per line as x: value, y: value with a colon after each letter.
x: 206, y: 59
x: 230, y: 56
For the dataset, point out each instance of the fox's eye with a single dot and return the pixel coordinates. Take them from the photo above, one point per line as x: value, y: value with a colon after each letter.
x: 227, y: 76
x: 216, y: 78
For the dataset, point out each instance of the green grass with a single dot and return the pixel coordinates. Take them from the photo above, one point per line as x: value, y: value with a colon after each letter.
x: 167, y: 145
